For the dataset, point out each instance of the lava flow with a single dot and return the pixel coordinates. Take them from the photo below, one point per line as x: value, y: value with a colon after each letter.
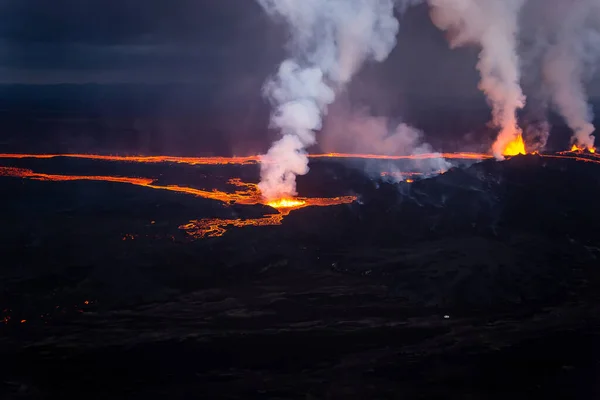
x: 248, y: 193
x: 581, y: 149
x: 29, y: 174
x: 242, y: 160
x: 422, y: 156
x: 145, y: 159
x: 245, y: 193
x: 211, y: 227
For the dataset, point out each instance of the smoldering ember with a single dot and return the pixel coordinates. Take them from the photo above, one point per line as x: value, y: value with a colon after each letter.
x: 324, y: 199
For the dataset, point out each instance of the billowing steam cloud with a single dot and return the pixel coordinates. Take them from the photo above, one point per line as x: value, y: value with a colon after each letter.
x: 493, y: 25
x: 573, y: 48
x: 330, y: 40
x: 355, y: 130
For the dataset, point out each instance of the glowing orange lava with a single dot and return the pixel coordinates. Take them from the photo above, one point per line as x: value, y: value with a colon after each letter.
x: 213, y: 227
x: 242, y: 160
x: 245, y: 193
x: 248, y: 193
x: 286, y: 203
x: 515, y: 147
x: 580, y: 149
x: 591, y: 158
x: 424, y: 156
x: 146, y: 159
x: 29, y: 174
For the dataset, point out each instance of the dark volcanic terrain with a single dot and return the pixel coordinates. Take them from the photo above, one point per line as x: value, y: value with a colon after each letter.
x: 481, y: 283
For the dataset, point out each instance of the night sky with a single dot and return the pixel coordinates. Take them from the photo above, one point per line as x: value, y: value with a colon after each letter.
x: 133, y: 41
x: 217, y: 54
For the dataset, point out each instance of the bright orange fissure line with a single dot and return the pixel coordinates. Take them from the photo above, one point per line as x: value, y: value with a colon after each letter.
x: 256, y: 158
x: 242, y: 160
x: 424, y: 156
x: 145, y: 159
x: 245, y: 193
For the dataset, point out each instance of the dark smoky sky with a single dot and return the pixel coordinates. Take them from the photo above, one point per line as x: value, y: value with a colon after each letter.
x: 221, y: 43
x: 217, y: 53
x: 130, y: 41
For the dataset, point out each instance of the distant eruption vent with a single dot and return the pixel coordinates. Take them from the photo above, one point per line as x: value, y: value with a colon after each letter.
x: 330, y: 40
x: 492, y: 25
x: 572, y: 51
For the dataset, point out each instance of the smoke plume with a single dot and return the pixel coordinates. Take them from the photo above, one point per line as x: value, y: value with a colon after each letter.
x: 330, y: 40
x: 493, y: 25
x: 572, y: 50
x: 355, y: 130
x: 351, y: 129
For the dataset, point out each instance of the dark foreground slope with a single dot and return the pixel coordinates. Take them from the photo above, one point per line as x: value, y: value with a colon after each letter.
x: 480, y: 283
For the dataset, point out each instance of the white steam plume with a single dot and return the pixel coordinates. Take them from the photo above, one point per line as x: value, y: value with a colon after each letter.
x: 330, y: 40
x: 493, y: 25
x: 355, y: 130
x: 572, y: 52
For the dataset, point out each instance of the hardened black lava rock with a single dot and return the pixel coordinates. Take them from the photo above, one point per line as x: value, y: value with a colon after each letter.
x: 482, y: 282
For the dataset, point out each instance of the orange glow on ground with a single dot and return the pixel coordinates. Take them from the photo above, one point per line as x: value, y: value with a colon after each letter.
x: 29, y: 174
x: 424, y: 156
x: 245, y: 193
x: 213, y: 227
x: 565, y: 155
x: 286, y: 203
x: 146, y: 159
x: 242, y: 160
x: 580, y: 149
x: 515, y: 147
x: 248, y: 193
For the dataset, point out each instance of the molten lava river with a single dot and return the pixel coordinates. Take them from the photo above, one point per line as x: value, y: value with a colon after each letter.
x: 243, y: 193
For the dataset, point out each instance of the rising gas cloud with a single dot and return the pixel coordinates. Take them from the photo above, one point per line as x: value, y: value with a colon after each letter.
x: 571, y: 41
x: 355, y: 130
x: 492, y: 25
x: 330, y: 40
